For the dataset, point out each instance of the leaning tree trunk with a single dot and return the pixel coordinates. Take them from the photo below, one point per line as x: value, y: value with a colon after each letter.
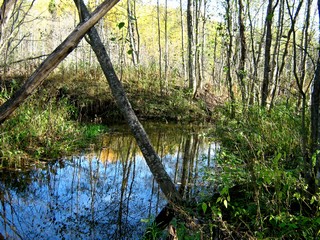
x: 52, y: 61
x: 152, y: 159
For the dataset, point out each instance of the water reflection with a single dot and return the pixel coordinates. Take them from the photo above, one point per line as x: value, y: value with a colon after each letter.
x: 104, y: 194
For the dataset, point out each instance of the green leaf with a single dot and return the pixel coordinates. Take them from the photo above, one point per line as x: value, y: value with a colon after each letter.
x: 204, y: 207
x: 225, y: 202
x: 130, y: 51
x: 121, y: 25
x: 145, y: 220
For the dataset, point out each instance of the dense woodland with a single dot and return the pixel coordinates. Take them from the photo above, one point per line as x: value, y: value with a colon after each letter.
x: 249, y: 69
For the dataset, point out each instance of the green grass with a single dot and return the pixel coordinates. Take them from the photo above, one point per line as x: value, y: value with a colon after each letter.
x: 43, y: 129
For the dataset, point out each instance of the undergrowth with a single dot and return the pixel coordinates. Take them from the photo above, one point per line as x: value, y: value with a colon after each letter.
x: 90, y: 93
x: 43, y: 128
x: 261, y: 191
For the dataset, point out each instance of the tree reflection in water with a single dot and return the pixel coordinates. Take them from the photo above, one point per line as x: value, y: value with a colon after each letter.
x: 101, y: 195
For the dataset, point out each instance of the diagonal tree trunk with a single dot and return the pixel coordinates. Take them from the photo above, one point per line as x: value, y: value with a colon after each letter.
x: 152, y: 159
x: 52, y: 61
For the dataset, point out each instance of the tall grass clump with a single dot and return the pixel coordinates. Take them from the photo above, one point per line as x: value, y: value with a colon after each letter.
x: 42, y: 128
x: 261, y: 190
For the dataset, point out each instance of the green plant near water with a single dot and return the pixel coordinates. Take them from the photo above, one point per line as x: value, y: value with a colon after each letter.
x: 42, y: 128
x: 262, y: 192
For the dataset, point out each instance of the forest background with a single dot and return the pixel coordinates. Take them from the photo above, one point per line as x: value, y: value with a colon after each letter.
x: 173, y: 57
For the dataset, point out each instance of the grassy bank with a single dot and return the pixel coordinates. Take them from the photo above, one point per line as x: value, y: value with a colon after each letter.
x: 71, y: 105
x: 43, y: 129
x: 90, y: 94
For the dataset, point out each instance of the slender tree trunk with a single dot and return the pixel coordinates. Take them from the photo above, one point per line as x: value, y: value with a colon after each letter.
x: 213, y: 72
x: 276, y: 52
x: 256, y: 54
x: 243, y: 55
x: 203, y: 39
x: 166, y: 47
x: 151, y: 157
x: 137, y: 31
x: 191, y: 74
x: 197, y: 60
x: 315, y: 119
x: 184, y: 67
x: 166, y: 43
x: 267, y: 54
x: 52, y: 61
x: 131, y: 33
x: 159, y: 48
x: 229, y: 56
x: 300, y: 83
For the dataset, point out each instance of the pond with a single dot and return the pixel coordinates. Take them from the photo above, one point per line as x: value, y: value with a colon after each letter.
x: 107, y: 193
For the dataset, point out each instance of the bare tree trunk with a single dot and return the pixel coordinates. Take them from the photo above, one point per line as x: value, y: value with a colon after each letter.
x: 213, y: 71
x: 184, y: 67
x: 243, y: 55
x: 229, y: 56
x: 300, y: 83
x: 203, y: 38
x: 131, y: 32
x: 159, y: 48
x: 137, y: 32
x: 151, y: 157
x: 315, y: 118
x: 267, y: 54
x: 51, y: 62
x: 276, y: 52
x: 256, y: 54
x: 197, y: 50
x: 166, y: 47
x: 191, y: 74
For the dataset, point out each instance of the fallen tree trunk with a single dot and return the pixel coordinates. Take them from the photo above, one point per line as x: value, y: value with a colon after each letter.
x: 150, y: 155
x: 52, y: 61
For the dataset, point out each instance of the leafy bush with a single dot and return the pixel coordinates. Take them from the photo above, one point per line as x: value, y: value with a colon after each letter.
x: 261, y: 192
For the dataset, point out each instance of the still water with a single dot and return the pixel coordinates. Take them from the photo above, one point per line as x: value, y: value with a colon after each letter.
x: 107, y: 193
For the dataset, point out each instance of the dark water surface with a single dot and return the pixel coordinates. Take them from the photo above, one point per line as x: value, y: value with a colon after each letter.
x: 104, y: 194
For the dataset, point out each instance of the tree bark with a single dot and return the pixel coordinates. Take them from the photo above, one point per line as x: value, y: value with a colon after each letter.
x: 300, y: 82
x: 159, y: 48
x: 229, y: 56
x: 131, y: 33
x: 51, y: 62
x: 267, y: 54
x: 151, y: 157
x: 243, y: 55
x: 5, y: 13
x: 315, y: 117
x: 184, y: 67
x: 191, y: 66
